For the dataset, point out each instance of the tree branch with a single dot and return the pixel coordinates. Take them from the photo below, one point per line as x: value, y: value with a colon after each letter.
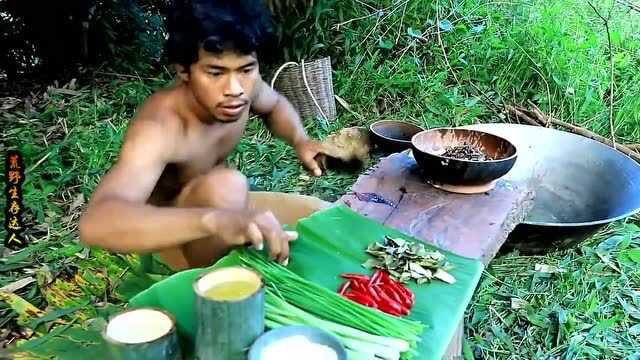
x: 605, y: 22
x: 444, y: 52
x: 629, y: 4
x: 537, y: 117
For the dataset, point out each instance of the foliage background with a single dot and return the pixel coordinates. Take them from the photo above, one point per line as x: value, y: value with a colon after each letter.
x: 440, y: 62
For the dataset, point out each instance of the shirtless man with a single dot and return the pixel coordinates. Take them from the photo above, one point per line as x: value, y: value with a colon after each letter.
x: 169, y: 188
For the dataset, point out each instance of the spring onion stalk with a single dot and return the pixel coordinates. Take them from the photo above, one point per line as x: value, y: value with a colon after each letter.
x: 291, y: 299
x: 359, y: 344
x: 276, y: 306
x: 326, y: 304
x: 353, y: 355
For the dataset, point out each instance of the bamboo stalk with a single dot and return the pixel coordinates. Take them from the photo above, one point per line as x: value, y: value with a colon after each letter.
x: 130, y: 335
x: 227, y: 328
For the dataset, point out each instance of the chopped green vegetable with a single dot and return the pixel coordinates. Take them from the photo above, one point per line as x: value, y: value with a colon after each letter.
x: 405, y: 260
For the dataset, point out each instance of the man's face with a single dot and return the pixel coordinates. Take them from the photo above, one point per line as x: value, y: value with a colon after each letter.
x: 224, y: 83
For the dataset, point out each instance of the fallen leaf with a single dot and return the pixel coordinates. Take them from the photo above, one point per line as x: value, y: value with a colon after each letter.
x: 22, y: 307
x: 17, y: 285
x: 502, y: 335
x: 77, y: 202
x: 548, y: 269
x: 44, y: 276
x: 8, y: 103
x: 629, y: 309
x: 65, y: 91
x: 54, y: 315
x: 517, y: 303
x: 84, y: 254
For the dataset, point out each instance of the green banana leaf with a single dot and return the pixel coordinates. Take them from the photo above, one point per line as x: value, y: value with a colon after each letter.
x: 331, y: 242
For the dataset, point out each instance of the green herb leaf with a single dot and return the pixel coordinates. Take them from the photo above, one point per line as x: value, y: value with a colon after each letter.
x: 385, y: 44
x: 445, y: 25
x: 414, y: 33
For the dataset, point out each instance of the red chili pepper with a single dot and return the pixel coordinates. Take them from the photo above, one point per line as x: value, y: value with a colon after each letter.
x: 394, y: 293
x: 360, y: 298
x: 386, y: 279
x: 403, y: 293
x: 343, y: 288
x: 412, y: 296
x: 407, y: 294
x: 354, y: 276
x: 389, y: 309
x: 375, y: 278
x: 373, y: 291
x: 386, y: 298
x: 359, y: 286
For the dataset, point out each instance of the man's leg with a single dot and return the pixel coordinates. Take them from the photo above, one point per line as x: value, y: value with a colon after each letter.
x: 220, y: 188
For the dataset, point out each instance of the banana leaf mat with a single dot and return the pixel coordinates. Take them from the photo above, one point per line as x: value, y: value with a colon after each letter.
x: 331, y: 242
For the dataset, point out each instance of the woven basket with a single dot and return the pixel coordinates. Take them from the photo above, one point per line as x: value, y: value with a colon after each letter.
x: 309, y: 87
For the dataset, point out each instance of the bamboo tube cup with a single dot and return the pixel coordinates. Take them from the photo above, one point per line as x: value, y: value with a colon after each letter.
x: 227, y: 328
x: 142, y: 334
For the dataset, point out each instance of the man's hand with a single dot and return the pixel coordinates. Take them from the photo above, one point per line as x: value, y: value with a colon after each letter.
x: 284, y: 122
x: 307, y: 151
x: 241, y: 227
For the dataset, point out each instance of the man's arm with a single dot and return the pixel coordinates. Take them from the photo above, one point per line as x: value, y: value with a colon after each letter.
x: 284, y: 122
x: 117, y: 217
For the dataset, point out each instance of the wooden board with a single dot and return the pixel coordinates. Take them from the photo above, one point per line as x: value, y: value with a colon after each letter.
x: 474, y: 226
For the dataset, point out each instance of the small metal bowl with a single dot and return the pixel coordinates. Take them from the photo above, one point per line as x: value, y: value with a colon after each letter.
x: 313, y: 334
x: 393, y: 136
x: 430, y: 145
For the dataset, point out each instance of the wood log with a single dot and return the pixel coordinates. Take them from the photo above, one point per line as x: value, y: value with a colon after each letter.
x: 142, y: 334
x: 537, y: 117
x: 520, y: 114
x: 226, y: 328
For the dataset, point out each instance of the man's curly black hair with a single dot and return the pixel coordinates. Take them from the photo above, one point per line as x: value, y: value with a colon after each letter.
x: 243, y: 26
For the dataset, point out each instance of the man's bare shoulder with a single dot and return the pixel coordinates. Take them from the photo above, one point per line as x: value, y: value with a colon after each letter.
x: 156, y: 124
x: 160, y: 108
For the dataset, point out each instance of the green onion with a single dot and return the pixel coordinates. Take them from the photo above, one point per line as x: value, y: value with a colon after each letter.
x: 345, y: 318
x: 359, y: 344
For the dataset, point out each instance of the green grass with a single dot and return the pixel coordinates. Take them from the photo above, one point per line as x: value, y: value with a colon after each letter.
x: 553, y: 54
x: 589, y: 309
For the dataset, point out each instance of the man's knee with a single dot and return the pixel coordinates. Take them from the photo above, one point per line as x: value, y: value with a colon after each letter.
x: 226, y: 181
x: 218, y: 188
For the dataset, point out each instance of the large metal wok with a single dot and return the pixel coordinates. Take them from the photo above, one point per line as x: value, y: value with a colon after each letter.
x: 580, y: 185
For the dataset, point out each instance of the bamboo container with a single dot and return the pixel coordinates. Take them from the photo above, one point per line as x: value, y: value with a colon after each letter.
x: 142, y: 334
x: 227, y: 328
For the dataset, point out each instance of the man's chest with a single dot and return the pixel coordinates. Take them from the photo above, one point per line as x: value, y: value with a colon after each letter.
x: 206, y: 148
